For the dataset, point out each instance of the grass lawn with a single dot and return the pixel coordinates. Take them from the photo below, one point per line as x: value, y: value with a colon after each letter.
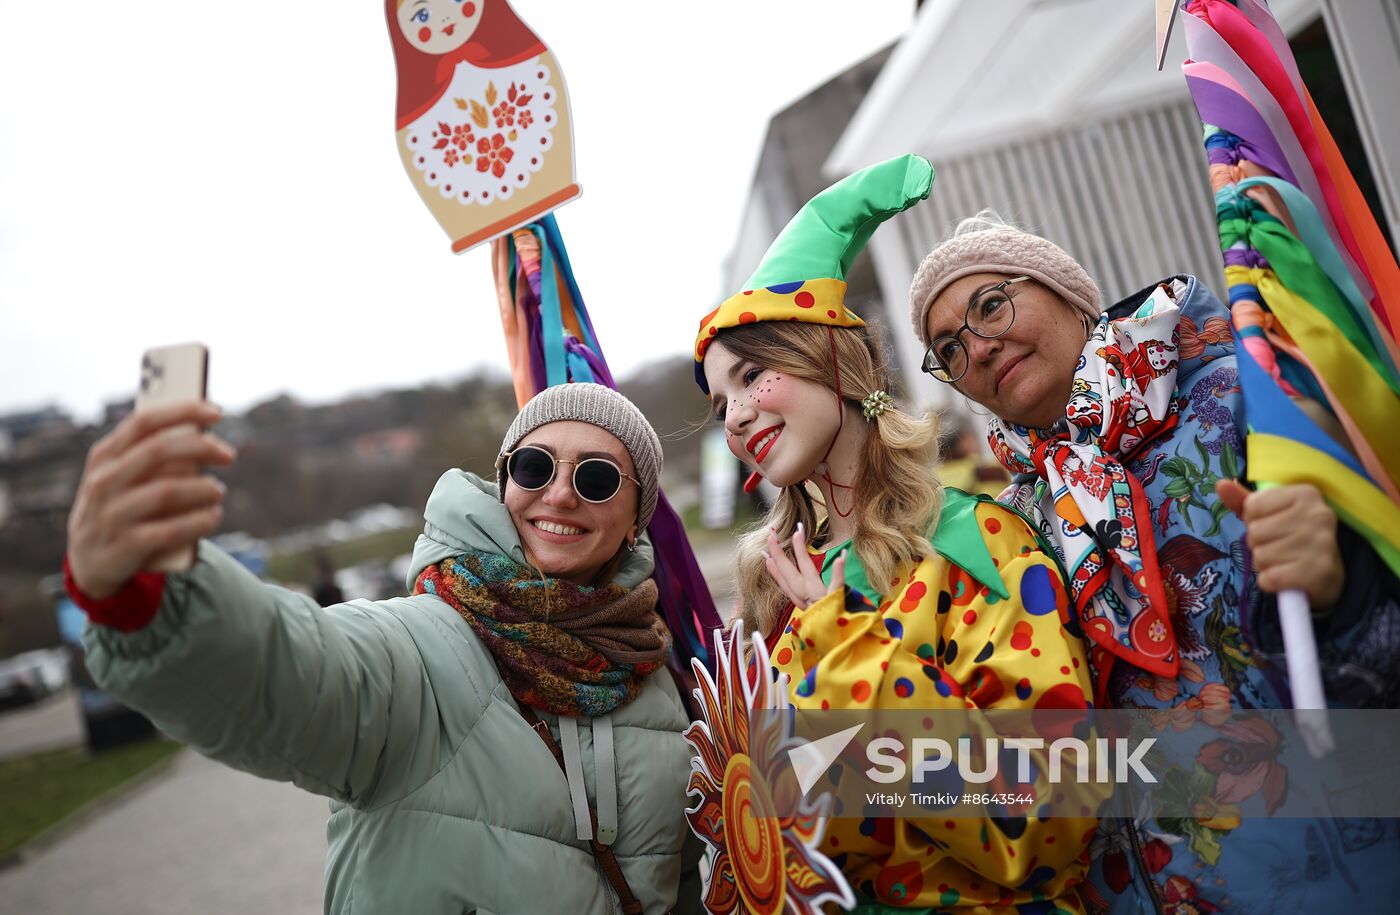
x: 38, y: 791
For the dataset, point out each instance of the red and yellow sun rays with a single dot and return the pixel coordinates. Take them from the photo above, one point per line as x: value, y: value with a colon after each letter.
x: 749, y: 808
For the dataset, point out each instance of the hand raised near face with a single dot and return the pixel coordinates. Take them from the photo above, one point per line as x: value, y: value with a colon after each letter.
x: 799, y: 580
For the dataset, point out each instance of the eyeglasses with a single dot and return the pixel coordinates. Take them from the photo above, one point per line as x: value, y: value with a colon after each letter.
x: 595, y: 479
x: 988, y: 316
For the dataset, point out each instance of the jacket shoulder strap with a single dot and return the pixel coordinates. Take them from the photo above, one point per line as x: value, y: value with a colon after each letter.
x: 603, y: 853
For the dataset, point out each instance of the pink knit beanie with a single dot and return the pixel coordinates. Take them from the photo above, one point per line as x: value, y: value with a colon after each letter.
x: 986, y: 244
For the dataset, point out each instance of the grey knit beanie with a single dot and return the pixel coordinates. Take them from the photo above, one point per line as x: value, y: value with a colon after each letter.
x: 598, y: 406
x: 986, y: 244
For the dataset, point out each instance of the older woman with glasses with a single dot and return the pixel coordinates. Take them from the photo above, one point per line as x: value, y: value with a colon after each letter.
x: 503, y: 740
x: 1125, y: 429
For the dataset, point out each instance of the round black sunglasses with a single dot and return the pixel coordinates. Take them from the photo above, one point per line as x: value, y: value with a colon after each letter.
x: 595, y: 480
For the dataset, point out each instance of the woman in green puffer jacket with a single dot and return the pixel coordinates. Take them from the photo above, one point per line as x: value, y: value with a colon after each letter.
x: 530, y: 602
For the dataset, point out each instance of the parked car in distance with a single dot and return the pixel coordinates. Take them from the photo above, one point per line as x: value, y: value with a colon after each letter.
x: 26, y: 678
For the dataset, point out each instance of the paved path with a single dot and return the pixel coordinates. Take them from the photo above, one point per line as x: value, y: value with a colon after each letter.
x: 200, y: 838
x: 52, y: 724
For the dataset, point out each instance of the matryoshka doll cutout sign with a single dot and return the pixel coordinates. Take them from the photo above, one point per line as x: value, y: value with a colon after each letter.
x: 483, y: 122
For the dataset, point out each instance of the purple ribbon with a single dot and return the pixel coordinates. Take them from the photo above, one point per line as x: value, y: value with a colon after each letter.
x: 1227, y: 110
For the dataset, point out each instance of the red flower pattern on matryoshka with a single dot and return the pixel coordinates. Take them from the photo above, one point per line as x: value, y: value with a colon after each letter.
x: 504, y: 113
x: 493, y: 154
x: 486, y: 94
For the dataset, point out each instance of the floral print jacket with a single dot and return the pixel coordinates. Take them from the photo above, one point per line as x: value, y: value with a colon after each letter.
x: 1231, y: 658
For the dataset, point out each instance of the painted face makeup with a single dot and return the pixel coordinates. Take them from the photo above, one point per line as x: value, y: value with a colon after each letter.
x: 777, y: 424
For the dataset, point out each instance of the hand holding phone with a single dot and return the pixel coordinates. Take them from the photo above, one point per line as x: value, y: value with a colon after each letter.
x: 143, y: 502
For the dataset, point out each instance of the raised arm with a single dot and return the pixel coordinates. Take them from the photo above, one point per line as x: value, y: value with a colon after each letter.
x: 252, y: 675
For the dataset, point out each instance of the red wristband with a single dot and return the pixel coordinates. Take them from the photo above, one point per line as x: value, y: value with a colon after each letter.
x: 130, y: 609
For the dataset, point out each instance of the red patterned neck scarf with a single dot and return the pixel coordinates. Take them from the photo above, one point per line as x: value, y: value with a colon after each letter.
x: 1092, y: 509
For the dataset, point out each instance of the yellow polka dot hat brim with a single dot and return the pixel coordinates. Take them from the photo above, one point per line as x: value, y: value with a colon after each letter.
x: 803, y: 274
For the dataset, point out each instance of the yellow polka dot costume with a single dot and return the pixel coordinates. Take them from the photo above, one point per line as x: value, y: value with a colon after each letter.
x: 983, y: 623
x: 944, y: 637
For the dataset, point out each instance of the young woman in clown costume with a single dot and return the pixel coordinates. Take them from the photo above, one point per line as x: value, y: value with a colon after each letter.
x: 891, y: 592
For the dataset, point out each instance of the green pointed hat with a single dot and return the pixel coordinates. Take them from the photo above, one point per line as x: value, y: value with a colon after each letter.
x: 803, y: 275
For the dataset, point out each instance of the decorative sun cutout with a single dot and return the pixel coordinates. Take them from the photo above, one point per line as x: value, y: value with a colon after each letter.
x: 764, y: 863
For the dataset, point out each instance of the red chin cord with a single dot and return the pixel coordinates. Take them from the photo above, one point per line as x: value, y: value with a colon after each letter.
x: 840, y: 423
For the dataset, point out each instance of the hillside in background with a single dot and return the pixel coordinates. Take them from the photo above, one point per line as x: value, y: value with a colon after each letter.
x: 299, y: 466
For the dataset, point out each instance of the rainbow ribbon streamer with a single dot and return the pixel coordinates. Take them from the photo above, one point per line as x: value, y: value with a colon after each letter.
x: 550, y: 340
x: 1314, y: 290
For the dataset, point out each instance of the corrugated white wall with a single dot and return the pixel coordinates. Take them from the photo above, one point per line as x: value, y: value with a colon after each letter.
x: 1129, y: 197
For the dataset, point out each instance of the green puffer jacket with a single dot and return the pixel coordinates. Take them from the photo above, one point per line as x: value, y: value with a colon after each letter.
x: 443, y: 799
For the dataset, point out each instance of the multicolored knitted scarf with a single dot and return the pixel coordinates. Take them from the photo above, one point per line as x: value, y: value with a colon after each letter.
x: 1099, y: 521
x: 560, y: 647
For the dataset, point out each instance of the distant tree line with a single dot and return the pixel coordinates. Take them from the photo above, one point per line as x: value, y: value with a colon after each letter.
x: 302, y: 464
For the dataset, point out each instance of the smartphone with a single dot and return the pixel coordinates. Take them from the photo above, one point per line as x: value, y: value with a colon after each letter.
x: 174, y: 374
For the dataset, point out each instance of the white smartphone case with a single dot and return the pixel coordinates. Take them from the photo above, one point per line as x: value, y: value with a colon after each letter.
x: 174, y: 374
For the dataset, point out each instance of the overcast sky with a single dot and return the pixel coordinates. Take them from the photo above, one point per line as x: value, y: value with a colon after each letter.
x: 228, y: 174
